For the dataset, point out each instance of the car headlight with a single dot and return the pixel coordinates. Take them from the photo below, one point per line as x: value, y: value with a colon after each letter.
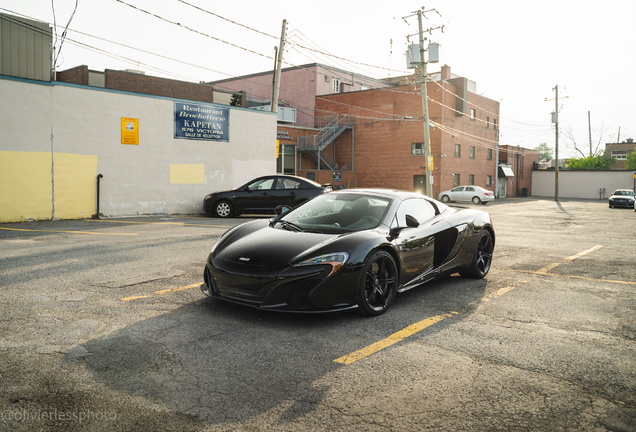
x: 336, y: 260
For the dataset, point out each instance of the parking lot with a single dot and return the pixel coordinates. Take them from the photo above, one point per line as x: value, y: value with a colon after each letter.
x: 104, y: 328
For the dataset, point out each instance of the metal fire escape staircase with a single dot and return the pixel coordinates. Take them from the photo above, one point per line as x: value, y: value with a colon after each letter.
x: 314, y: 146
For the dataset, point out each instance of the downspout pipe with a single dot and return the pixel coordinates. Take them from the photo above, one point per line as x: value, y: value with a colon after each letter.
x: 97, y: 214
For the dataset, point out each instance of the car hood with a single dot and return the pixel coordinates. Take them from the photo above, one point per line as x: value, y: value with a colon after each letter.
x: 265, y: 246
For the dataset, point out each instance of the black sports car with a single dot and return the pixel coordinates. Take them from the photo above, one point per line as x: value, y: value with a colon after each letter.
x: 263, y: 195
x: 347, y: 249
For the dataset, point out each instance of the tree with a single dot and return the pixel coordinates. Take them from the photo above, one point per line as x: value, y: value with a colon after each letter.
x: 601, y: 161
x: 630, y: 163
x: 237, y: 100
x: 545, y: 152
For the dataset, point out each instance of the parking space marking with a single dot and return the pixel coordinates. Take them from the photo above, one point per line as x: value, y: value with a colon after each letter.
x: 567, y: 276
x: 502, y: 291
x: 156, y: 293
x: 393, y: 339
x: 72, y: 232
x: 547, y: 268
x: 158, y: 223
x: 580, y: 254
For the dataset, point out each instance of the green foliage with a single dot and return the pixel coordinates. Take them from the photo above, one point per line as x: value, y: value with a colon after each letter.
x: 545, y: 152
x: 630, y: 163
x: 236, y: 100
x: 599, y: 162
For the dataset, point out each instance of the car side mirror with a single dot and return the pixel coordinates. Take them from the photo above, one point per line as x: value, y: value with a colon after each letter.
x: 279, y: 210
x: 411, y: 221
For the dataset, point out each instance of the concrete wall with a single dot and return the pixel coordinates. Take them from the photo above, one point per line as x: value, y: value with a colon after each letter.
x: 55, y: 138
x: 580, y: 184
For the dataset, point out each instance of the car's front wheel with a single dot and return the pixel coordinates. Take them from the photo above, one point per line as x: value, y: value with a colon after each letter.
x: 223, y: 209
x: 445, y: 199
x: 482, y: 256
x: 378, y: 284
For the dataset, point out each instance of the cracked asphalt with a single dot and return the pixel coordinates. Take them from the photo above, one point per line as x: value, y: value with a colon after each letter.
x: 103, y: 328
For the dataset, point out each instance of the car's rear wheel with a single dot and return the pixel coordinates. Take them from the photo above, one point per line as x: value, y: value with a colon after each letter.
x: 476, y: 200
x: 223, y: 209
x: 445, y: 199
x: 378, y: 284
x: 482, y: 257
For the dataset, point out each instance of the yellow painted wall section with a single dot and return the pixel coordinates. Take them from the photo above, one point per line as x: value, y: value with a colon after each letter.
x: 25, y: 186
x: 75, y: 185
x: 187, y: 173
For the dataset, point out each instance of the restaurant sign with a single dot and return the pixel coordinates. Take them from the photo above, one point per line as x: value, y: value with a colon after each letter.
x: 201, y: 122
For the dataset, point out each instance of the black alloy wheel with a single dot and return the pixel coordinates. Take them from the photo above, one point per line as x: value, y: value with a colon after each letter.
x: 378, y: 284
x: 482, y: 258
x: 223, y: 209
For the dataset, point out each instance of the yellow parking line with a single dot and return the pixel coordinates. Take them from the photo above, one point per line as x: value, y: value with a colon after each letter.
x: 547, y: 268
x: 157, y: 223
x: 579, y: 255
x: 169, y: 290
x: 567, y: 276
x: 393, y: 339
x: 502, y: 291
x: 72, y: 232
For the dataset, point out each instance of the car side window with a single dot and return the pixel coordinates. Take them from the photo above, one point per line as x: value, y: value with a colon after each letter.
x: 419, y: 208
x: 458, y: 189
x: 470, y: 189
x: 287, y: 184
x: 263, y: 184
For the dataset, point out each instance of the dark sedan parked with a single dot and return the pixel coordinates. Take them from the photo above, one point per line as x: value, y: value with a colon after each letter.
x: 262, y: 195
x: 347, y: 249
x: 622, y: 198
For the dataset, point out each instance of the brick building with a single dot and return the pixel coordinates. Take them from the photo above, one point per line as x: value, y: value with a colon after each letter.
x: 385, y: 146
x: 619, y: 151
x: 139, y: 82
x: 515, y: 171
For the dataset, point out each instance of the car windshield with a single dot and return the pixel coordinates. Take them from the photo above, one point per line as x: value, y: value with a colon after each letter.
x: 336, y: 213
x: 624, y: 192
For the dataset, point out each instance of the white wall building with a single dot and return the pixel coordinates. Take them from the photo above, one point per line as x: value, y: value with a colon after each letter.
x: 55, y: 138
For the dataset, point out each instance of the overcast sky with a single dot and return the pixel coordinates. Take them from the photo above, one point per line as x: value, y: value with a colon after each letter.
x: 516, y: 52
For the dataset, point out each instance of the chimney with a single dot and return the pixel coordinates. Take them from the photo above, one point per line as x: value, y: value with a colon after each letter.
x: 446, y: 74
x: 630, y: 140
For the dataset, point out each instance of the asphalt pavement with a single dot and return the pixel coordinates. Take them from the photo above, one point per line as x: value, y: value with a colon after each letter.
x: 104, y: 328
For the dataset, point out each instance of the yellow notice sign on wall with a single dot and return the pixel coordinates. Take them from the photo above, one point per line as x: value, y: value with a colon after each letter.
x: 129, y: 131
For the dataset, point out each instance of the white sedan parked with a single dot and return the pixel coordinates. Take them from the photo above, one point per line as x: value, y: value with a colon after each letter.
x: 475, y: 194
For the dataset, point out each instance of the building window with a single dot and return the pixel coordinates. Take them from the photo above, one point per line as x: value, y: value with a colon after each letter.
x: 494, y: 123
x: 417, y: 148
x: 487, y: 122
x: 488, y: 180
x: 455, y: 179
x: 471, y: 179
x: 472, y: 114
x: 458, y: 150
x: 619, y: 154
x: 335, y: 85
x: 472, y: 152
x: 489, y: 154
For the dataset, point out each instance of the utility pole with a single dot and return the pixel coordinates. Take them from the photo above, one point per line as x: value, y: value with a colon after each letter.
x: 555, y: 120
x: 427, y: 131
x: 589, y: 126
x: 279, y: 63
x: 423, y: 77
